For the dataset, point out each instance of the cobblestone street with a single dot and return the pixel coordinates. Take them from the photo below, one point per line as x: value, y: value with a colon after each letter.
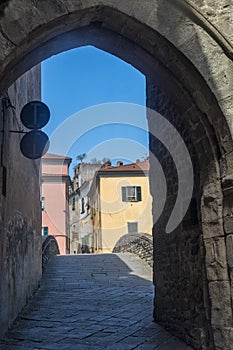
x: 91, y: 302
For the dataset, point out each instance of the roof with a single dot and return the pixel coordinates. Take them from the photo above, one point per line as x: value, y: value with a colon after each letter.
x: 47, y: 174
x: 133, y: 169
x: 55, y: 156
x: 138, y: 166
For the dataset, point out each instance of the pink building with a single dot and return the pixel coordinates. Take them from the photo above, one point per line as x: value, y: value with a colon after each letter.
x: 55, y: 210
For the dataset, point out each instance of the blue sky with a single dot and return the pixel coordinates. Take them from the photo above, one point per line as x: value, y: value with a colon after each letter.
x: 75, y: 81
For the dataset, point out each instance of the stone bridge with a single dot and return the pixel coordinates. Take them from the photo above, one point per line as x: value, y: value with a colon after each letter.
x: 49, y: 248
x: 140, y: 244
x: 184, y: 49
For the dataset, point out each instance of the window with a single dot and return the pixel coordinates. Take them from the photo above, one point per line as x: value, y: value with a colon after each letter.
x: 45, y: 231
x: 132, y: 227
x: 43, y: 203
x: 73, y: 203
x: 82, y: 206
x: 131, y: 194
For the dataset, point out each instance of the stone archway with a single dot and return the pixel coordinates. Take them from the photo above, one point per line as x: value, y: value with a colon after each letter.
x: 176, y: 55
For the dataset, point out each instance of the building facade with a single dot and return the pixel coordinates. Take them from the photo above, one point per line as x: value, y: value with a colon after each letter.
x: 54, y: 199
x: 120, y: 203
x: 79, y: 208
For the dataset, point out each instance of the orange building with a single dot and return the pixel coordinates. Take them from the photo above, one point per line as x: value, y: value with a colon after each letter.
x: 54, y: 199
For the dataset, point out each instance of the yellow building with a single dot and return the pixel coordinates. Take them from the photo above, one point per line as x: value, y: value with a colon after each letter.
x: 120, y: 203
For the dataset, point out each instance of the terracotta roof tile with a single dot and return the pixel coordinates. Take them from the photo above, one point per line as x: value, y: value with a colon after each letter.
x: 144, y: 165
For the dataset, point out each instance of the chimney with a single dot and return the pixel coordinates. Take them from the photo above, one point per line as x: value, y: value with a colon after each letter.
x: 119, y: 163
x: 107, y: 164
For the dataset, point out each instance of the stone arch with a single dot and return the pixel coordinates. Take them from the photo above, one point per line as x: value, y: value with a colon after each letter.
x: 140, y: 244
x: 49, y: 248
x: 175, y: 56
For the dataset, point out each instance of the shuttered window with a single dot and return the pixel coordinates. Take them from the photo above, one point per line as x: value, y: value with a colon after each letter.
x: 131, y: 193
x: 82, y: 206
x: 45, y: 231
x: 73, y: 203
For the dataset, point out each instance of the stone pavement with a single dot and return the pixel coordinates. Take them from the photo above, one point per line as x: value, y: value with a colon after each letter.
x: 91, y: 302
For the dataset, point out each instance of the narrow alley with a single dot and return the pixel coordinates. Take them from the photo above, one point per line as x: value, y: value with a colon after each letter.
x: 91, y: 302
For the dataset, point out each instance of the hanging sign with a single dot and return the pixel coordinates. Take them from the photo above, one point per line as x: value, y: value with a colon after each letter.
x: 34, y: 144
x: 35, y: 115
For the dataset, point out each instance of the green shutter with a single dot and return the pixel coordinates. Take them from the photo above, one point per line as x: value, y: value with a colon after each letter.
x: 123, y: 190
x: 139, y: 193
x: 46, y: 231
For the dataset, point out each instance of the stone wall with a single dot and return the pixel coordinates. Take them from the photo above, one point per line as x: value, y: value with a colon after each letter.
x: 220, y: 257
x: 20, y: 236
x: 179, y: 273
x: 140, y: 244
x: 199, y: 35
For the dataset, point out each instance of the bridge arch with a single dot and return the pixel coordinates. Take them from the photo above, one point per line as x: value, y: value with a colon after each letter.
x: 49, y: 248
x: 183, y: 85
x: 140, y: 244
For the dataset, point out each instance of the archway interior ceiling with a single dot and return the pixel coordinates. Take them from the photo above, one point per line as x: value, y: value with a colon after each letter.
x: 136, y: 44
